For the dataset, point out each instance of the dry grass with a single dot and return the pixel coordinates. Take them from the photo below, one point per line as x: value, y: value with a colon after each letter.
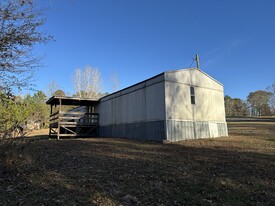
x: 237, y: 170
x: 43, y: 133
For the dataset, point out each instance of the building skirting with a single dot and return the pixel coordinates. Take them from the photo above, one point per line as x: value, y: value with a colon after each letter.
x: 177, y: 130
x: 153, y: 130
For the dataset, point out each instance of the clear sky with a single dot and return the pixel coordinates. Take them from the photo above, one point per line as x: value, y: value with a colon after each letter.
x: 138, y: 39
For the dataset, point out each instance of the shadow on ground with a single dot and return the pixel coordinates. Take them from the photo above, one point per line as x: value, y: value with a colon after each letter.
x: 237, y: 170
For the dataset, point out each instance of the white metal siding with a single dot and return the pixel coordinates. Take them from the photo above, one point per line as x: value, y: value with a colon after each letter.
x: 141, y: 105
x: 205, y: 118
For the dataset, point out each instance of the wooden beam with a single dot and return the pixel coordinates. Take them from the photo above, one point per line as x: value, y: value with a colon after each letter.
x: 50, y: 121
x: 49, y: 131
x: 69, y: 130
x: 54, y: 114
x: 58, y: 127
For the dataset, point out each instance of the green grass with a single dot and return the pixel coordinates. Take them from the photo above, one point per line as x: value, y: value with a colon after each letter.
x: 236, y: 170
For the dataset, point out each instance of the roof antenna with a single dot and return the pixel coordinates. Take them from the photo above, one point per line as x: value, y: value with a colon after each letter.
x: 197, y: 61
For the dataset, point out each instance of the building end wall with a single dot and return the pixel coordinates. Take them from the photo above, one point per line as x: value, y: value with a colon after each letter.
x: 205, y: 118
x: 209, y: 97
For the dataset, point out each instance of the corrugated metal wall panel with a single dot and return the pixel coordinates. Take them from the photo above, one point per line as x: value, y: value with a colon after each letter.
x: 179, y: 130
x: 202, y: 129
x: 222, y: 129
x: 182, y: 130
x: 154, y: 130
x: 144, y: 105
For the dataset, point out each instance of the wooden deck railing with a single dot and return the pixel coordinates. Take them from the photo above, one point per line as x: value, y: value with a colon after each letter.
x: 74, y: 118
x: 54, y: 117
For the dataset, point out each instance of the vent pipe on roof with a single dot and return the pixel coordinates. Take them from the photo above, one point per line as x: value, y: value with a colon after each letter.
x: 197, y: 61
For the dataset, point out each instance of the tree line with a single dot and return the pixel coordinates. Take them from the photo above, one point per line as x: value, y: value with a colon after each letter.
x: 20, y: 22
x: 17, y: 113
x: 258, y: 103
x: 21, y: 114
x: 20, y: 31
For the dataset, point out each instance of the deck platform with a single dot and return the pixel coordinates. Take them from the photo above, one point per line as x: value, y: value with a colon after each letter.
x: 73, y: 123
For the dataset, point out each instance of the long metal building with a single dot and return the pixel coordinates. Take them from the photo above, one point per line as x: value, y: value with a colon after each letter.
x: 172, y: 106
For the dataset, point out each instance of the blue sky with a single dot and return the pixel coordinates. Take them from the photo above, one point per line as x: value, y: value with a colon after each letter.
x: 138, y: 39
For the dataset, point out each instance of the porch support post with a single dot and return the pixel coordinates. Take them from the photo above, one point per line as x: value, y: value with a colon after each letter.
x: 58, y: 127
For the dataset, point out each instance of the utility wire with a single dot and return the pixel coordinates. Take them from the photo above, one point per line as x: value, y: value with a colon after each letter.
x: 193, y: 60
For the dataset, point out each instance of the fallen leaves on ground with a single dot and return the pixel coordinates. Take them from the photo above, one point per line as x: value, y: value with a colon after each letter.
x: 234, y: 170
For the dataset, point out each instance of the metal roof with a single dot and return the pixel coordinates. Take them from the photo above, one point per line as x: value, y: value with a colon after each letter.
x: 55, y: 100
x: 170, y: 71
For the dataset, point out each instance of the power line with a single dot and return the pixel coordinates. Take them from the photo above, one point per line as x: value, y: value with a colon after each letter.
x: 193, y: 60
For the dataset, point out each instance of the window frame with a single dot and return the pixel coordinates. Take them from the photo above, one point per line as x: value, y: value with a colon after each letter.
x: 192, y: 95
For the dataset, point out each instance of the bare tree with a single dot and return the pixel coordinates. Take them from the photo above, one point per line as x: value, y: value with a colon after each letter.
x: 87, y: 86
x: 97, y: 84
x: 115, y: 82
x: 271, y: 89
x: 88, y: 82
x: 77, y: 82
x: 19, y: 24
x: 53, y: 86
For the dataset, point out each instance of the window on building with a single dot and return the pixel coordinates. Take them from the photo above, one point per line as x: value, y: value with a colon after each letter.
x: 192, y: 93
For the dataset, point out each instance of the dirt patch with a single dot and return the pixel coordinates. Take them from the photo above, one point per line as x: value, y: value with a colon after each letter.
x: 42, y: 133
x: 236, y: 170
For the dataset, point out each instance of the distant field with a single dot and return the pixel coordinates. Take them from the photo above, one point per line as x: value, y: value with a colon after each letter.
x: 251, y: 119
x: 236, y: 170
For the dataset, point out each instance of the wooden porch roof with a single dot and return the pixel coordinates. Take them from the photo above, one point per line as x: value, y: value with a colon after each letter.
x: 63, y: 100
